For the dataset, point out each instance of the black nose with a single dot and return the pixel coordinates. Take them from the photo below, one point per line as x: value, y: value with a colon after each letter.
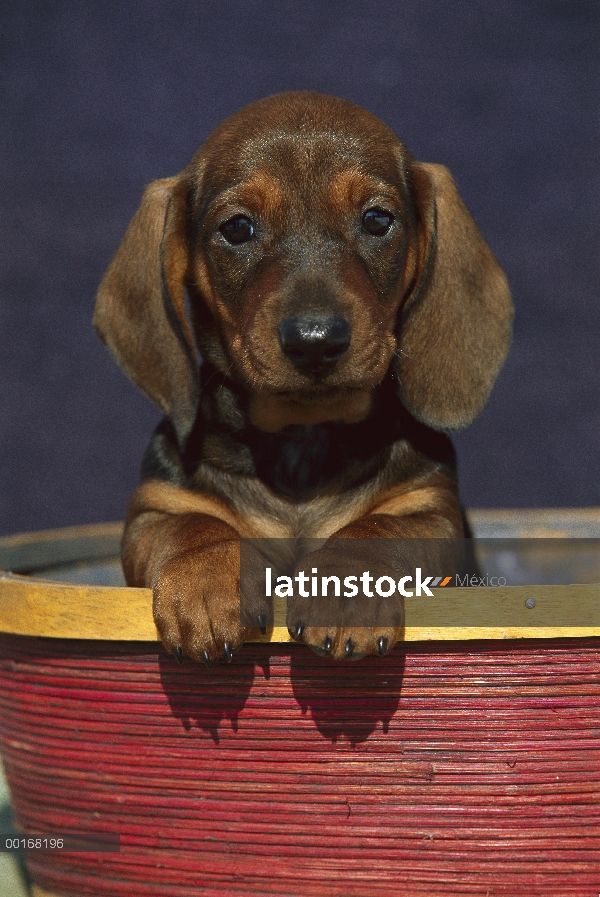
x: 314, y: 343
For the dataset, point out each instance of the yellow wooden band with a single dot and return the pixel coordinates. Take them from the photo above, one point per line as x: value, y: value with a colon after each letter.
x: 64, y: 610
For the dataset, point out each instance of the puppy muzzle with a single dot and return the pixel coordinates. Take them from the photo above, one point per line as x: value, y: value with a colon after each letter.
x: 314, y: 344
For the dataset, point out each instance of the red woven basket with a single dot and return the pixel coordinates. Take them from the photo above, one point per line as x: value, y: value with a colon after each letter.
x: 445, y: 768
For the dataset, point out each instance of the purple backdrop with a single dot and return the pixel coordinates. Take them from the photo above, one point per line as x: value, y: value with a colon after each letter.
x: 97, y: 99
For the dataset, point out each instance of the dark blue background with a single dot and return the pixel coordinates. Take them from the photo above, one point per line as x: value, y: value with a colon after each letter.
x: 98, y: 98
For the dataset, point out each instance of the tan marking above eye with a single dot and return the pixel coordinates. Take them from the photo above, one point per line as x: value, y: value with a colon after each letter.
x: 261, y: 194
x: 351, y: 189
x: 350, y: 186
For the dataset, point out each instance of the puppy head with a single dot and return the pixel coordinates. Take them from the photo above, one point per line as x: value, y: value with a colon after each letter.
x: 315, y: 253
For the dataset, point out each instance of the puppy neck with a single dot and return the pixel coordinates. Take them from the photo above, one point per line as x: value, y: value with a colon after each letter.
x: 299, y: 461
x: 297, y: 457
x: 271, y: 413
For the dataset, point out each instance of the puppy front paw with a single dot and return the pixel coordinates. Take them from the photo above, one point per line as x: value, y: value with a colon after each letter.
x: 197, y: 603
x: 344, y: 617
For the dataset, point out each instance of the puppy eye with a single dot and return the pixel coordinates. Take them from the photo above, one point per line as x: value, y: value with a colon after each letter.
x: 237, y: 230
x: 377, y: 222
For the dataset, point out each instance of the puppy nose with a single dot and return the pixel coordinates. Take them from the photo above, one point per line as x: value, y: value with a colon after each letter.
x: 314, y: 343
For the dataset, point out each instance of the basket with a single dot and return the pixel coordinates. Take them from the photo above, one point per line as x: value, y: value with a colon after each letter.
x: 465, y: 762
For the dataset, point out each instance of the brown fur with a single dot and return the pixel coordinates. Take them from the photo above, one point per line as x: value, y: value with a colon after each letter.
x: 253, y: 444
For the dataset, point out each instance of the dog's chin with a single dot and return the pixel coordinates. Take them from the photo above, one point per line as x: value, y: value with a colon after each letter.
x: 315, y: 404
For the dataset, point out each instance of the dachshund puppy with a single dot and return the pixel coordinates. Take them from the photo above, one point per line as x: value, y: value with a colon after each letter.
x: 312, y: 310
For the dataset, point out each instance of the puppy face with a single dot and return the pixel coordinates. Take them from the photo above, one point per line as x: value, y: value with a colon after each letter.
x: 316, y: 252
x: 303, y: 243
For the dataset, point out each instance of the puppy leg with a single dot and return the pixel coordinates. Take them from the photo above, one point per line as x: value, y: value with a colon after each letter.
x: 400, y: 543
x: 191, y: 563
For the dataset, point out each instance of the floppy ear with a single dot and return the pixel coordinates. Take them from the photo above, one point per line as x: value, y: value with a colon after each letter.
x: 140, y: 308
x: 455, y: 327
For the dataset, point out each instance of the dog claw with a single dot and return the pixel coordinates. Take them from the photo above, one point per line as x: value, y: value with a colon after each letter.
x: 296, y: 632
x: 206, y: 659
x: 178, y: 654
x: 262, y: 623
x: 349, y: 648
x: 327, y: 644
x: 228, y: 653
x: 382, y: 644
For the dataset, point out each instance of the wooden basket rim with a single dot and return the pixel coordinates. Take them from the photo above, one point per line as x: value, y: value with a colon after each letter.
x: 38, y: 607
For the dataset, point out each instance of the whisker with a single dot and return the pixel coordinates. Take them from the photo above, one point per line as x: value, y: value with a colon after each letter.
x: 225, y: 376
